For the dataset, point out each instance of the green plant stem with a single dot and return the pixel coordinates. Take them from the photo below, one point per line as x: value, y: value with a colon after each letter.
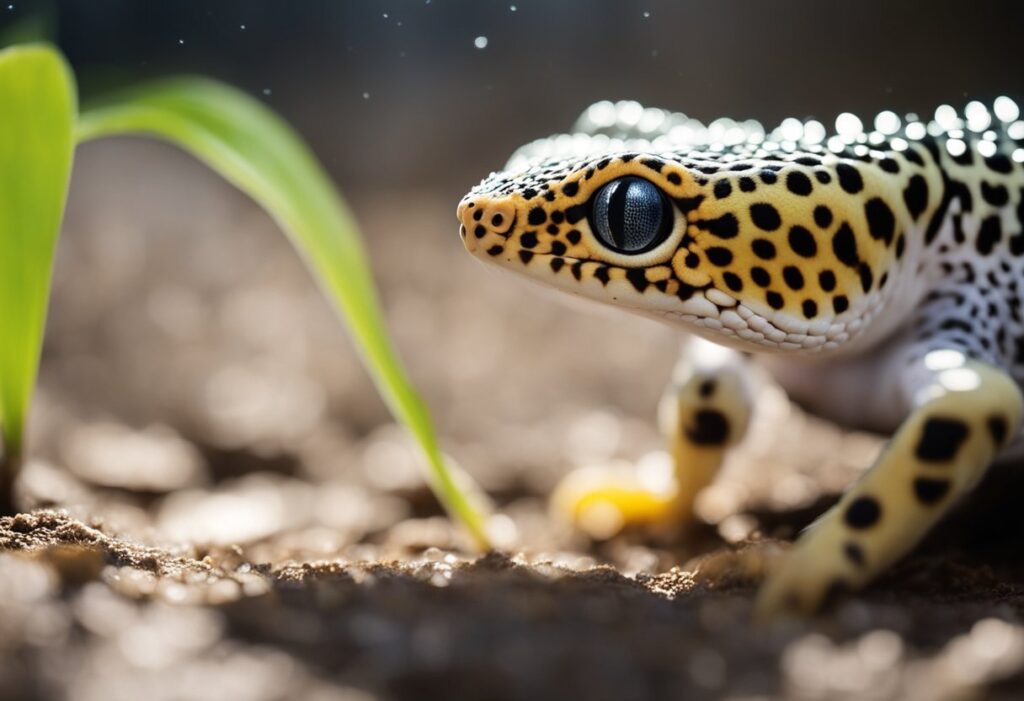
x: 37, y: 111
x: 260, y: 154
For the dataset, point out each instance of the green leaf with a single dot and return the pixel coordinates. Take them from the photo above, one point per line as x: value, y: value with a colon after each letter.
x: 37, y: 112
x: 257, y: 151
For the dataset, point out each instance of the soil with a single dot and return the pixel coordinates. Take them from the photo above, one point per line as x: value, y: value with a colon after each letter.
x: 217, y: 504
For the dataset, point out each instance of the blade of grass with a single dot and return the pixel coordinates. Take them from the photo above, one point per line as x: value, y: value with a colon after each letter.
x: 37, y: 111
x: 257, y: 151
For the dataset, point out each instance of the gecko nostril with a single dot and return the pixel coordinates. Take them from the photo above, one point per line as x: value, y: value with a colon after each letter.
x: 487, y: 216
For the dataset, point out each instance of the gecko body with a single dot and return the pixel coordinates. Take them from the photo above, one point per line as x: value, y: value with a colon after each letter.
x: 877, y: 274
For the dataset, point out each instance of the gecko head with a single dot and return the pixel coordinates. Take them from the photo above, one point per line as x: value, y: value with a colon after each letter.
x: 739, y: 252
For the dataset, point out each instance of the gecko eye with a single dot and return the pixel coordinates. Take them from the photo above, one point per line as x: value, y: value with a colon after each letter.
x: 630, y: 215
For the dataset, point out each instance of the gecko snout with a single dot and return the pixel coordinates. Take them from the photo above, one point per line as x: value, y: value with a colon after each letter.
x: 481, y: 216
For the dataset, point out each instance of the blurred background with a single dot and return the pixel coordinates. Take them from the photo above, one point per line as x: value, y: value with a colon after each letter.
x: 197, y: 392
x: 177, y: 303
x: 409, y: 92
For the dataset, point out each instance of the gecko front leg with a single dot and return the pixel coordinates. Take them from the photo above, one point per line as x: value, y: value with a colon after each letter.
x: 962, y: 413
x: 704, y: 412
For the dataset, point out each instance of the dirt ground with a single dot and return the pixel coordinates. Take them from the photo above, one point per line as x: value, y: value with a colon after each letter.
x: 220, y: 506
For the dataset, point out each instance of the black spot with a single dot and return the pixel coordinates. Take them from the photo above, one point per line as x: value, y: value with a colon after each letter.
x: 526, y: 257
x: 998, y: 428
x: 602, y: 274
x: 854, y: 553
x: 849, y: 178
x: 719, y: 256
x: 823, y: 176
x: 798, y: 183
x: 999, y: 163
x: 497, y: 219
x: 725, y: 227
x: 558, y: 248
x: 638, y: 279
x: 723, y: 188
x: 557, y: 216
x: 529, y: 193
x: 929, y: 490
x: 577, y: 269
x: 915, y: 196
x: 995, y: 195
x: 768, y: 177
x: 765, y: 216
x: 774, y: 300
x: 685, y: 291
x: 901, y: 245
x: 552, y: 229
x: 557, y: 263
x: 575, y: 213
x: 709, y: 427
x: 573, y: 237
x: 913, y: 156
x: 844, y: 245
x: 733, y: 282
x: 990, y: 233
x: 495, y: 250
x: 822, y: 216
x: 688, y: 204
x: 881, y: 222
x: 570, y: 189
x: 528, y: 239
x: 941, y: 438
x: 827, y: 280
x: 840, y: 304
x: 674, y: 178
x: 537, y: 216
x: 810, y: 308
x: 478, y: 215
x: 763, y: 249
x: 962, y: 192
x: 935, y: 222
x: 479, y: 231
x: 867, y: 278
x: 692, y: 260
x: 802, y: 242
x: 760, y: 276
x: 793, y: 277
x: 652, y: 163
x: 549, y: 195
x: 707, y: 388
x: 863, y: 512
x: 747, y: 184
x: 889, y: 165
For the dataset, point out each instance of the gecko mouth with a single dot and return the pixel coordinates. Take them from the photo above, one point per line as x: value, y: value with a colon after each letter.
x: 704, y: 308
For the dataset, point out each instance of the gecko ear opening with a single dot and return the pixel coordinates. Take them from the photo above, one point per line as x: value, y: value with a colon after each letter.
x: 631, y: 215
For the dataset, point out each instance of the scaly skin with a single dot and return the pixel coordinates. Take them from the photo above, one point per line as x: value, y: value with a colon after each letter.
x: 877, y: 273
